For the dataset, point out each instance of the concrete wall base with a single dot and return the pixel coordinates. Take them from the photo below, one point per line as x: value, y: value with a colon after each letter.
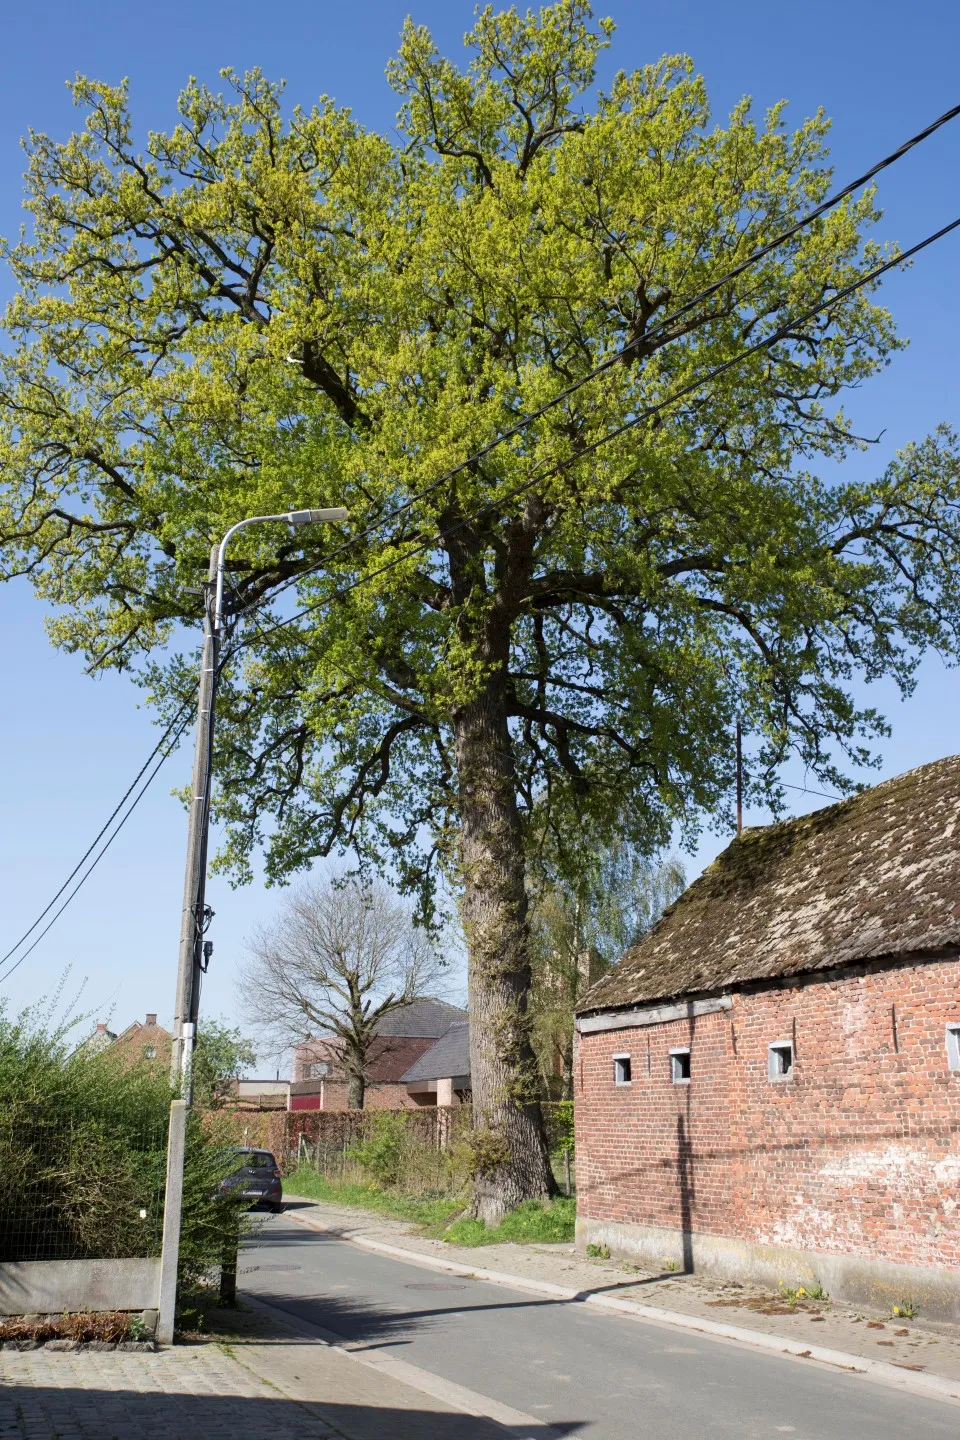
x: 854, y: 1278
x: 51, y: 1287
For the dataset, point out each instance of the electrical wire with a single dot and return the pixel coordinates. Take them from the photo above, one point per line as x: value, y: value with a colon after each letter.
x: 180, y: 720
x: 782, y: 332
x: 805, y: 790
x: 619, y: 355
x: 102, y: 831
x: 548, y: 473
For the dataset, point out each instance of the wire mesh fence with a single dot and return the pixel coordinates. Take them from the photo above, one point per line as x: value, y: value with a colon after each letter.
x: 418, y: 1152
x: 80, y: 1185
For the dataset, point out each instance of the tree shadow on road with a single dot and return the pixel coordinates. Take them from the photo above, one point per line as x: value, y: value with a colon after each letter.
x: 45, y: 1412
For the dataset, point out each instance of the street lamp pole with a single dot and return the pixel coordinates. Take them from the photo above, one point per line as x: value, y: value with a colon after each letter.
x: 196, y: 915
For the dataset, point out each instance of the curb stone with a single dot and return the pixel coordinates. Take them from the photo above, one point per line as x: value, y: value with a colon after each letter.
x: 936, y: 1387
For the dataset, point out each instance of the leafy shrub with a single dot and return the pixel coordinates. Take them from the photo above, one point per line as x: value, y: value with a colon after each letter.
x: 83, y: 1140
x: 560, y: 1125
x: 381, y: 1152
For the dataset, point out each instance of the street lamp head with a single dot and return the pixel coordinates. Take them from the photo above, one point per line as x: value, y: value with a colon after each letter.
x: 317, y: 517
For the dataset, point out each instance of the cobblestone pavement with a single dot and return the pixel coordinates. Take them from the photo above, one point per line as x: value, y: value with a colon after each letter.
x: 191, y: 1391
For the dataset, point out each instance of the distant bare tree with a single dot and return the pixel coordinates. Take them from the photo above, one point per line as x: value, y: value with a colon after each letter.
x: 341, y: 956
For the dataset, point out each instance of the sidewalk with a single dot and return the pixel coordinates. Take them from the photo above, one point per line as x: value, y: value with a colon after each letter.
x: 269, y: 1380
x: 914, y: 1348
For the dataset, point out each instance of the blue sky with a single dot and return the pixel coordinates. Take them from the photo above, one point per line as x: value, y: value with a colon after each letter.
x: 71, y: 745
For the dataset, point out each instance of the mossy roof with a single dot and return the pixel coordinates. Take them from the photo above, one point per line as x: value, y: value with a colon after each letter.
x: 872, y: 877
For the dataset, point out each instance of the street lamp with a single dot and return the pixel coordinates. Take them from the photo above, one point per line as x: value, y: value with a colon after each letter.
x: 292, y: 517
x: 196, y: 915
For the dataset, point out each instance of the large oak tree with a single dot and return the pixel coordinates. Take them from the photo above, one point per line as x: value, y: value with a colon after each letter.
x: 266, y: 308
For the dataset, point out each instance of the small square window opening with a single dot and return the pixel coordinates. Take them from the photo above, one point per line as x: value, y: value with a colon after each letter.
x: 680, y: 1066
x: 780, y: 1060
x: 151, y: 1052
x: 953, y: 1046
x: 622, y: 1070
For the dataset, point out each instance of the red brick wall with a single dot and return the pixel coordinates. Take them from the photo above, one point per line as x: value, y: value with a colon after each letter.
x: 858, y: 1153
x: 334, y: 1097
x: 133, y: 1044
x: 389, y: 1057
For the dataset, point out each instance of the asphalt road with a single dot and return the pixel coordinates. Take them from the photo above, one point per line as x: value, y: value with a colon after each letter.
x: 602, y: 1377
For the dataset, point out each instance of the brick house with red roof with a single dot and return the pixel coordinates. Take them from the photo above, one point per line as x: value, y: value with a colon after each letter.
x: 141, y: 1040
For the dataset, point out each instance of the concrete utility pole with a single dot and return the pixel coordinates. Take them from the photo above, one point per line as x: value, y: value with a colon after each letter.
x: 193, y: 921
x: 196, y: 917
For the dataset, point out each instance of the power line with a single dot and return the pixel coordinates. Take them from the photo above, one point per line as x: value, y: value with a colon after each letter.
x: 547, y: 473
x: 805, y: 790
x: 782, y: 332
x: 182, y: 720
x: 658, y: 330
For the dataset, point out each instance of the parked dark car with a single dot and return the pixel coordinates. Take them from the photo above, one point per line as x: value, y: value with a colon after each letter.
x: 257, y: 1178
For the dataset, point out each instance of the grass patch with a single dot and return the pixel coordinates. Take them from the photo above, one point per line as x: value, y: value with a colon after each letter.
x: 421, y: 1209
x: 598, y: 1252
x: 531, y: 1223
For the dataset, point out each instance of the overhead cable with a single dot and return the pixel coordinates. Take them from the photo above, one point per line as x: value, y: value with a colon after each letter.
x: 782, y: 332
x: 621, y: 354
x: 164, y: 747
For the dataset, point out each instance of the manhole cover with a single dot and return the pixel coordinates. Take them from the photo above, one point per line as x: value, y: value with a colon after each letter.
x: 434, y: 1287
x: 248, y: 1270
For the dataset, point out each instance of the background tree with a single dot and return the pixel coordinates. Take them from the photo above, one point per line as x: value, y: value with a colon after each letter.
x: 262, y: 308
x: 340, y: 957
x: 220, y: 1055
x: 582, y: 920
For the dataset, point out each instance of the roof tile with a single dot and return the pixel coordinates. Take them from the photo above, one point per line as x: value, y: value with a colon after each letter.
x: 873, y: 876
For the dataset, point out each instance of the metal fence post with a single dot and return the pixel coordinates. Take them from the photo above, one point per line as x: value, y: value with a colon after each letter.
x: 172, y: 1209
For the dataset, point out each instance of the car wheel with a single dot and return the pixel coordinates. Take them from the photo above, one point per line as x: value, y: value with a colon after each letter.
x: 277, y: 1209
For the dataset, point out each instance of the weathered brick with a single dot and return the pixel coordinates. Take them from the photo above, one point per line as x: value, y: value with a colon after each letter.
x: 858, y: 1152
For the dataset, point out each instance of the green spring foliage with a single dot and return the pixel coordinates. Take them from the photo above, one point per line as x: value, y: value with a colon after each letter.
x: 83, y: 1156
x: 530, y: 1224
x: 433, y: 1211
x: 266, y: 306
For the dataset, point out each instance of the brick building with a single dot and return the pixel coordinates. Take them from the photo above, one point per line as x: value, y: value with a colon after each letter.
x: 142, y: 1040
x: 442, y: 1075
x: 768, y: 1085
x: 403, y: 1036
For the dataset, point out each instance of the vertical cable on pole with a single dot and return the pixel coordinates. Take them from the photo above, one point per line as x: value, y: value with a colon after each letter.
x: 739, y: 778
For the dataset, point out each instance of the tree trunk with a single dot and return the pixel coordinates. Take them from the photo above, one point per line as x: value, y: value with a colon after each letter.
x: 568, y: 1067
x: 511, y: 1160
x: 356, y: 1088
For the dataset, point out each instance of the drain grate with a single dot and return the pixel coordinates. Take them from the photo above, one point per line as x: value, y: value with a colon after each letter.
x: 429, y: 1286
